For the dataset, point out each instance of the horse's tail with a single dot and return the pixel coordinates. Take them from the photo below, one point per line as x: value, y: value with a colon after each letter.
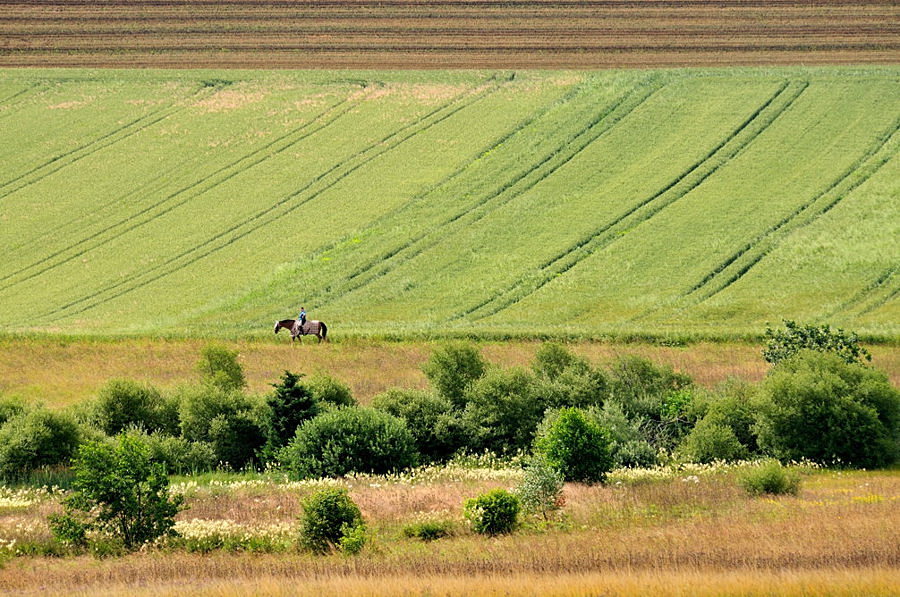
x: 324, y: 330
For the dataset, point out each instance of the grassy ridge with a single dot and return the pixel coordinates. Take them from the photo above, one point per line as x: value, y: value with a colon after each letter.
x: 435, y: 203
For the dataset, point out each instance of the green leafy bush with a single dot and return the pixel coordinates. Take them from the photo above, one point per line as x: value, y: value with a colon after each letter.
x: 122, y: 404
x: 452, y: 368
x: 36, y: 438
x: 431, y: 419
x: 574, y: 444
x: 493, y: 513
x: 429, y: 529
x: 329, y: 517
x: 709, y: 441
x: 225, y: 419
x: 347, y: 440
x: 502, y: 412
x: 10, y: 407
x: 781, y: 344
x: 120, y: 492
x: 628, y: 444
x: 815, y: 405
x: 330, y: 392
x: 564, y: 379
x: 219, y: 367
x: 541, y: 489
x: 770, y: 477
x: 180, y: 456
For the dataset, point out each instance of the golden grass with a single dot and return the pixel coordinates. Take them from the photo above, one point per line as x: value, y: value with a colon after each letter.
x: 680, y: 536
x: 63, y: 372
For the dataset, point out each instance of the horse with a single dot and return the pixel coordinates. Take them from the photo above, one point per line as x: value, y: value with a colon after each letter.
x: 314, y: 328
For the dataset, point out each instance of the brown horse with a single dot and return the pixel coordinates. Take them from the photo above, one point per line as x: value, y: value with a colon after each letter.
x: 314, y: 328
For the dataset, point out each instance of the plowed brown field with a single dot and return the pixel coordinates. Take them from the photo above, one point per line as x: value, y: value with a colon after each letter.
x: 381, y: 34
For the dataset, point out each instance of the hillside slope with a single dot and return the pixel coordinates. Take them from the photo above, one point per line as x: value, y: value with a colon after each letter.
x: 409, y: 203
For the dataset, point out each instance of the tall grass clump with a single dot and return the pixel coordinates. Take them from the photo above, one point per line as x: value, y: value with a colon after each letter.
x: 770, y: 477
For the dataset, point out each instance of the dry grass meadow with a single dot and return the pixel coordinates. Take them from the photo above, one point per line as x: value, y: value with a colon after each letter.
x: 689, y: 532
x: 60, y: 372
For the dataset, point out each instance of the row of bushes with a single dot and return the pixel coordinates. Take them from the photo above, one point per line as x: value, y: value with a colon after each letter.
x: 584, y: 419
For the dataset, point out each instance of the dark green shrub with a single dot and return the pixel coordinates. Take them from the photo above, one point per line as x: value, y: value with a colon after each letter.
x: 119, y: 492
x: 180, y: 456
x: 709, y: 441
x: 329, y: 392
x: 552, y: 358
x: 452, y: 368
x: 328, y: 517
x: 770, y: 477
x: 541, y: 489
x: 574, y: 444
x: 502, y: 412
x: 628, y: 445
x: 123, y: 404
x: 655, y: 396
x: 493, y: 513
x: 817, y: 406
x: 430, y: 418
x: 289, y: 405
x: 781, y: 344
x: 226, y: 420
x: 219, y: 367
x: 734, y: 405
x: 350, y: 440
x: 34, y: 439
x: 564, y: 379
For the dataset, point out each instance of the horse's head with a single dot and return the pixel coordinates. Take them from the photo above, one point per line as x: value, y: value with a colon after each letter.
x: 277, y: 326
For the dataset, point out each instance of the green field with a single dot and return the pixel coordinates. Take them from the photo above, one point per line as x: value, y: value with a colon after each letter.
x: 412, y: 204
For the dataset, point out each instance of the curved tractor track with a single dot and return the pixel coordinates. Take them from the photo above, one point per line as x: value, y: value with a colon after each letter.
x: 445, y: 33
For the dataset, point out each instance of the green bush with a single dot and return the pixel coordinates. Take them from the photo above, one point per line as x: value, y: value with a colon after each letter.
x: 628, y: 444
x: 10, y: 407
x: 452, y: 368
x: 770, y: 477
x: 290, y: 404
x: 350, y: 440
x: 574, y: 444
x: 123, y: 404
x: 329, y: 516
x: 564, y: 379
x: 180, y: 456
x: 781, y: 344
x: 816, y: 406
x: 120, y: 492
x: 709, y: 441
x: 493, y: 513
x: 329, y: 392
x: 34, y: 439
x: 226, y: 420
x: 541, y: 489
x: 431, y: 419
x: 502, y: 412
x: 219, y: 367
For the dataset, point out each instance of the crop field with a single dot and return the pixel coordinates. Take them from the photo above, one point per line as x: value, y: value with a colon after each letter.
x: 410, y: 204
x: 446, y: 33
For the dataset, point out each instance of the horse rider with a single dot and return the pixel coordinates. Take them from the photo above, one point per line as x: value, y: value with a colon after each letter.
x: 302, y: 317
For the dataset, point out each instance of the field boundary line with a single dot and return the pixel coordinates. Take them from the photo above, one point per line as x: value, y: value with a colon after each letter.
x: 146, y: 215
x: 685, y: 182
x: 281, y: 208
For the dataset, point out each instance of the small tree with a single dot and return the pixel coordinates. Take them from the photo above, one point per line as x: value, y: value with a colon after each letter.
x: 219, y: 367
x: 289, y: 405
x: 331, y: 520
x: 780, y: 344
x: 576, y: 445
x: 119, y: 491
x: 452, y: 368
x: 541, y: 489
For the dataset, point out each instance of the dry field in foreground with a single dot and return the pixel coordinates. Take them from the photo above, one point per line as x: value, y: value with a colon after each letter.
x: 446, y: 33
x: 61, y: 372
x: 684, y: 534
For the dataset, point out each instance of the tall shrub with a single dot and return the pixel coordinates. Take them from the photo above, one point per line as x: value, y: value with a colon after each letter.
x: 348, y: 440
x: 502, y: 411
x: 430, y: 418
x: 815, y: 405
x: 452, y: 368
x: 124, y: 403
x: 36, y: 438
x: 287, y: 406
x: 575, y: 445
x: 219, y: 367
